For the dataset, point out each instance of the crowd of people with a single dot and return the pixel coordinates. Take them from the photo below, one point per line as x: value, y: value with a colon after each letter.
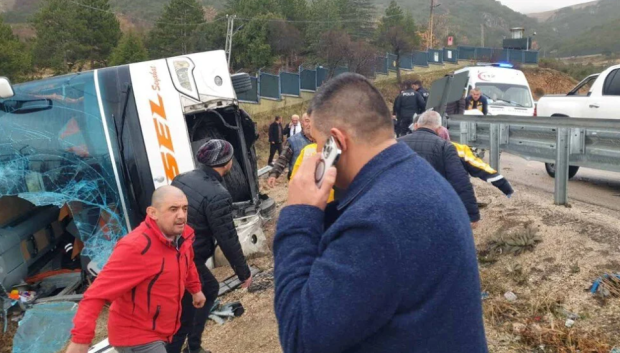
x: 379, y: 258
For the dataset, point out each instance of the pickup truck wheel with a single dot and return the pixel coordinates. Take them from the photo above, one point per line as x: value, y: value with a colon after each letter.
x: 550, y: 167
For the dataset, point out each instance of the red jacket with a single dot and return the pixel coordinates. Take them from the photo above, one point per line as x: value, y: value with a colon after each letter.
x: 145, y: 279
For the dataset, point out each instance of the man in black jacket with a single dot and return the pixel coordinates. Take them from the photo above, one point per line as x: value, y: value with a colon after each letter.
x: 210, y: 214
x: 408, y: 103
x: 275, y: 139
x: 443, y: 156
x: 417, y: 85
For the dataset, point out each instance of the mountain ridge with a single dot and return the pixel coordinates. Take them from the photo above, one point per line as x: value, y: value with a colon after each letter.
x: 548, y: 15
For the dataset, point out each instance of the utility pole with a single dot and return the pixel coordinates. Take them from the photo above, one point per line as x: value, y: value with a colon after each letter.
x: 430, y: 24
x: 229, y: 36
x: 482, y: 34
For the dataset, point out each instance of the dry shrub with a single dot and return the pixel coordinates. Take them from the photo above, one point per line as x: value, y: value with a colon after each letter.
x: 498, y: 312
x: 515, y: 243
x: 555, y: 337
x: 544, y: 304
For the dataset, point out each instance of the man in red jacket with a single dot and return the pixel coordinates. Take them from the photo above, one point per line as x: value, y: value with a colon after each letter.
x: 144, y: 279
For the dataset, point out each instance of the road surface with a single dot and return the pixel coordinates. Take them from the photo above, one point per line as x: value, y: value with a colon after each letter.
x: 591, y: 186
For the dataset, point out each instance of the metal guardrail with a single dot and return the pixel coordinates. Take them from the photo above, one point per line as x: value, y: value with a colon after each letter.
x: 590, y: 143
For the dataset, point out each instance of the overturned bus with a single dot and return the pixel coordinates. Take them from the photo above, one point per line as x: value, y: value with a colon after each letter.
x: 81, y: 154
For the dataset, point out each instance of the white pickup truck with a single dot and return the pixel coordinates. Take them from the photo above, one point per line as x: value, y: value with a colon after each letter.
x: 596, y: 97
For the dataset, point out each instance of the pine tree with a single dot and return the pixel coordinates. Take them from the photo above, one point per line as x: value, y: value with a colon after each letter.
x: 58, y: 27
x: 251, y: 48
x: 175, y: 29
x: 103, y: 30
x: 358, y: 17
x: 15, y: 60
x: 394, y: 16
x: 326, y: 13
x: 130, y: 49
x: 293, y: 10
x: 397, y: 33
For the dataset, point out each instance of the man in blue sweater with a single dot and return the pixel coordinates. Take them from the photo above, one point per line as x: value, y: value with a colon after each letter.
x: 389, y: 267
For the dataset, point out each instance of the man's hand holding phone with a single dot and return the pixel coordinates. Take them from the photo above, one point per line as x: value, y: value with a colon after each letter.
x: 303, y: 189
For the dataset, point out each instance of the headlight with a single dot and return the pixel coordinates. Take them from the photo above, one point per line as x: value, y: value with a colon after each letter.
x: 181, y: 69
x: 218, y: 81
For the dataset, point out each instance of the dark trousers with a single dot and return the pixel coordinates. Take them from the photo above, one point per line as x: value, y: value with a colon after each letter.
x: 272, y: 152
x: 403, y: 125
x: 193, y: 320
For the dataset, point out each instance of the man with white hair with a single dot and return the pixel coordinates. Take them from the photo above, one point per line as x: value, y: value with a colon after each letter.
x: 443, y: 156
x: 294, y: 127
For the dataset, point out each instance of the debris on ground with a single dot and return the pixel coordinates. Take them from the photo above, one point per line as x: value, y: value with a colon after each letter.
x: 510, y: 296
x: 221, y: 313
x: 606, y: 286
x: 45, y: 328
x: 262, y: 282
x: 484, y: 295
x: 569, y: 323
x: 231, y: 283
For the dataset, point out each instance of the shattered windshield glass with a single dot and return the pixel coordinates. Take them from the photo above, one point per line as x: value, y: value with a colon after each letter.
x: 53, y: 151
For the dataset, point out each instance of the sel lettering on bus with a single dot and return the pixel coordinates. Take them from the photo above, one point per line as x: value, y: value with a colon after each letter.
x: 164, y: 138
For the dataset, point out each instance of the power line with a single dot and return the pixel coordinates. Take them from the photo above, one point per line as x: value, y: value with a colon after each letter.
x: 308, y: 21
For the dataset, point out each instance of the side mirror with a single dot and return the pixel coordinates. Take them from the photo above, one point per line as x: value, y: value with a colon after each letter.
x: 6, y: 90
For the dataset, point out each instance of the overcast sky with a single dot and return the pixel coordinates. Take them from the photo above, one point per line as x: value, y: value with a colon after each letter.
x: 528, y: 6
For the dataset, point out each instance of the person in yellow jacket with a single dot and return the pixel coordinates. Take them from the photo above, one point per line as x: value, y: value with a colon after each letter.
x: 307, y: 152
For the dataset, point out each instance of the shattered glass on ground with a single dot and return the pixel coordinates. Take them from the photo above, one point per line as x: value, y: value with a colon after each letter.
x: 53, y: 151
x: 45, y: 328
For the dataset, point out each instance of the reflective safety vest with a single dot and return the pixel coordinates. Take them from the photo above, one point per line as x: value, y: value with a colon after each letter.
x: 308, y: 152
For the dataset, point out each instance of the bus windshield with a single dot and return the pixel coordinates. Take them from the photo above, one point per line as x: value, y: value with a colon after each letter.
x: 506, y: 94
x: 55, y: 152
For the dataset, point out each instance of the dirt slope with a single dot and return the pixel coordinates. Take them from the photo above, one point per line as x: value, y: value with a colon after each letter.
x: 548, y: 81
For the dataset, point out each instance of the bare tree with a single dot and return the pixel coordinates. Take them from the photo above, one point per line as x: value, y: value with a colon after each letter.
x: 286, y: 41
x: 334, y: 46
x: 361, y: 58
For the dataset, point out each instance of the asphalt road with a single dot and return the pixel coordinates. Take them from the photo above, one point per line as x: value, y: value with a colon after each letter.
x: 591, y: 186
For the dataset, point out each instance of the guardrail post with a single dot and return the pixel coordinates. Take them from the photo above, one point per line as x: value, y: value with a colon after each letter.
x: 561, y: 166
x: 494, y: 153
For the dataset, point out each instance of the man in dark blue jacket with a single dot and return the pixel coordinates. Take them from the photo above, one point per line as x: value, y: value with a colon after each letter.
x: 389, y: 267
x: 444, y: 157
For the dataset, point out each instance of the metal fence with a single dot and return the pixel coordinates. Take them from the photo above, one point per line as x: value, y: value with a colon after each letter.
x: 391, y: 58
x: 252, y: 95
x: 420, y: 58
x: 435, y: 56
x: 494, y: 54
x: 590, y: 143
x: 451, y: 55
x: 381, y: 65
x: 308, y: 80
x: 291, y: 84
x: 269, y: 86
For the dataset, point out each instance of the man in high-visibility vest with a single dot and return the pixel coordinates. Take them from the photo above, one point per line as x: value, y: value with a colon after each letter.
x: 305, y: 153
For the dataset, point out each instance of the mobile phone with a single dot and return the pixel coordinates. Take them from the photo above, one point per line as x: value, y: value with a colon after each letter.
x: 329, y: 157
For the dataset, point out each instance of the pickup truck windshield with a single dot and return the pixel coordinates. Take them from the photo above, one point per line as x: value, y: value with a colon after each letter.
x: 58, y: 154
x: 506, y: 94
